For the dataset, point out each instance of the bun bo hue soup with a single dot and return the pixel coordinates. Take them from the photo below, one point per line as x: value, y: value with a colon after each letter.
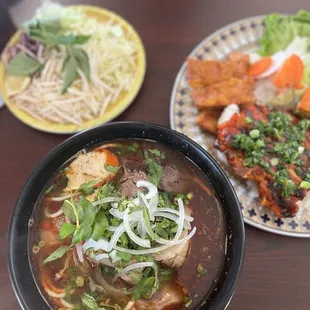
x: 130, y: 224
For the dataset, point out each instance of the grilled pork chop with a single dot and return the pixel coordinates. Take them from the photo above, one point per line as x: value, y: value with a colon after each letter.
x: 272, y: 148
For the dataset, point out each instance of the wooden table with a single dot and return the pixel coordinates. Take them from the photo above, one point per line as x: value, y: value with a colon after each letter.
x: 276, y: 269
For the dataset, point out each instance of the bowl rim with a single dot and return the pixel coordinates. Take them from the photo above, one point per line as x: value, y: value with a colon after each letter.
x: 224, y: 295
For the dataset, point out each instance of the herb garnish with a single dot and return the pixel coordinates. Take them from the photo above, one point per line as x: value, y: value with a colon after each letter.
x: 111, y: 168
x: 155, y: 170
x: 23, y: 65
x: 201, y: 271
x: 50, y: 33
x: 273, y: 145
x: 58, y: 253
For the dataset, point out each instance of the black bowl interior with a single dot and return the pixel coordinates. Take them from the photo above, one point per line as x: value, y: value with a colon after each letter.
x: 19, y: 269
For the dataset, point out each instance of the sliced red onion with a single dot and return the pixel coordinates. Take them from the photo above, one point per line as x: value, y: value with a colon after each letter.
x: 79, y: 252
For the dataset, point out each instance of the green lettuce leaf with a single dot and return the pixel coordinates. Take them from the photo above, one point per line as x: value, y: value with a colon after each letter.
x: 281, y: 30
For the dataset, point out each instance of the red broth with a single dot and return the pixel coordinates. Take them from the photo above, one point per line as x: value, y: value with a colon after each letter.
x: 58, y: 279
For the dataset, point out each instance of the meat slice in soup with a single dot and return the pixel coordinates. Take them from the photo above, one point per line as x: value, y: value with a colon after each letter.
x: 125, y: 226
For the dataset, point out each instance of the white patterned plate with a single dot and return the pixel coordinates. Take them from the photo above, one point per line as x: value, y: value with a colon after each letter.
x: 240, y: 36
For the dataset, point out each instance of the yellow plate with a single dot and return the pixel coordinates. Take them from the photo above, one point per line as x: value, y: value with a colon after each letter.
x: 114, y: 109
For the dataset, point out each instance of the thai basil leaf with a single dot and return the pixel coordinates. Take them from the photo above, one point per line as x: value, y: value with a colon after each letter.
x: 23, y: 65
x: 66, y: 230
x: 58, y: 253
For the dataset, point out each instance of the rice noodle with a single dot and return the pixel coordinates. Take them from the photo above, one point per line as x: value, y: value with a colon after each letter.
x: 53, y: 215
x: 62, y: 198
x: 66, y: 304
x: 53, y: 294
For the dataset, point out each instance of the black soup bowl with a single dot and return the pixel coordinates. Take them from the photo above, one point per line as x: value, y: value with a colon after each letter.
x: 20, y: 270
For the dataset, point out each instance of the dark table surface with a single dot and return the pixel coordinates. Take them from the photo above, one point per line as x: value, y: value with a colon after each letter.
x: 276, y: 268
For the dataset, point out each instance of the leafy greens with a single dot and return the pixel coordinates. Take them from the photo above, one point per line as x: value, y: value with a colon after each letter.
x: 281, y: 30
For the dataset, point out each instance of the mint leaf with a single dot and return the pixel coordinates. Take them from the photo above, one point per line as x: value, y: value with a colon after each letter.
x: 58, y: 253
x: 82, y: 61
x: 100, y: 225
x: 66, y: 230
x: 155, y: 170
x: 23, y: 65
x: 70, y: 73
x: 82, y: 234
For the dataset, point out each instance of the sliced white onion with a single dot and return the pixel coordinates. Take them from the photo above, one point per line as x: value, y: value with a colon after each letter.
x: 53, y: 215
x: 106, y: 200
x: 152, y: 189
x: 101, y: 244
x: 141, y: 229
x: 180, y: 221
x: 153, y: 204
x: 169, y: 210
x: 169, y: 216
x: 174, y: 218
x: 144, y: 203
x: 62, y: 198
x: 157, y: 249
x: 102, y: 256
x: 136, y: 239
x: 117, y: 234
x: 114, y: 257
x: 114, y: 205
x: 116, y: 213
x: 112, y: 228
x: 131, y: 267
x: 79, y: 252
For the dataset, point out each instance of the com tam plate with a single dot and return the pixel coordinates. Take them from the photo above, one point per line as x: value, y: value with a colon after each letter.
x: 242, y: 36
x: 114, y: 109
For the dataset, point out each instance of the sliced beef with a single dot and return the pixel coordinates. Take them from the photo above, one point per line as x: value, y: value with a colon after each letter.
x: 174, y: 257
x: 128, y: 182
x: 169, y: 296
x: 173, y: 180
